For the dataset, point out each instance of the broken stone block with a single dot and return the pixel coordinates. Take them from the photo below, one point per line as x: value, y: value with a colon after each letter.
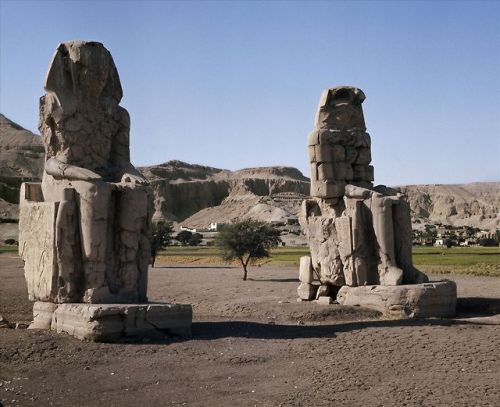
x: 366, y: 141
x: 323, y: 153
x: 311, y: 150
x: 370, y: 173
x: 306, y: 270
x: 359, y: 172
x: 328, y: 188
x: 323, y: 291
x: 313, y: 138
x: 306, y: 291
x: 324, y: 300
x: 331, y: 137
x: 4, y: 323
x: 351, y: 154
x: 314, y: 171
x: 364, y: 156
x: 434, y: 299
x: 42, y: 315
x: 338, y: 153
x: 325, y: 171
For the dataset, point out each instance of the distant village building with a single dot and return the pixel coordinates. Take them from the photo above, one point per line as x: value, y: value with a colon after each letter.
x: 193, y: 230
x: 440, y: 242
x: 215, y: 226
x: 486, y: 234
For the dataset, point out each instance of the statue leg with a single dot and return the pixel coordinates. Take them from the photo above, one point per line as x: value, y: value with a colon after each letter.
x: 403, y: 244
x: 133, y: 229
x: 94, y: 202
x: 390, y: 273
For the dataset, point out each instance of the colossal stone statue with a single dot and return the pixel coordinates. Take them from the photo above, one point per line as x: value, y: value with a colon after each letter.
x: 85, y: 231
x: 358, y: 234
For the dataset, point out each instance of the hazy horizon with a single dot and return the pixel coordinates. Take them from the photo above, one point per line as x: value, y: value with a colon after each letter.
x: 235, y: 84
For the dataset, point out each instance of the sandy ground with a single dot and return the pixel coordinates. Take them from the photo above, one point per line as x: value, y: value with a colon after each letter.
x: 254, y: 345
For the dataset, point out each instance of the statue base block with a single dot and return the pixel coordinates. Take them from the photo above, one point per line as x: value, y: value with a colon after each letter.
x: 433, y: 299
x: 114, y: 322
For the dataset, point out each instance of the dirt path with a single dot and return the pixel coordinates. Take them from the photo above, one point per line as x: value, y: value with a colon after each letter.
x: 254, y: 345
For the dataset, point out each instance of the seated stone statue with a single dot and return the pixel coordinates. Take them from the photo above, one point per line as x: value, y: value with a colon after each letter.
x: 358, y: 234
x: 99, y: 201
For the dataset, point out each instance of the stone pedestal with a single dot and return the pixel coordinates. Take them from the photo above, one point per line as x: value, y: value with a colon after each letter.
x: 114, y: 322
x: 434, y: 299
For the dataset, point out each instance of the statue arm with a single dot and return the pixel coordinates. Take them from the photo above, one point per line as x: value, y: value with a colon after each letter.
x: 121, y: 154
x: 352, y: 191
x: 60, y: 170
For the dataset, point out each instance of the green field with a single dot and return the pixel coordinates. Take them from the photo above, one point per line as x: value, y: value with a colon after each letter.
x: 481, y: 261
x: 4, y: 249
x: 459, y: 260
x: 478, y: 261
x: 459, y: 256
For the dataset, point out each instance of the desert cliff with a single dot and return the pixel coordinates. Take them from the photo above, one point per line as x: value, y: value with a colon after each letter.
x: 196, y: 195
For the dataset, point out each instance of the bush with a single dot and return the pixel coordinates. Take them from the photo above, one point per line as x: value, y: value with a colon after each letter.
x: 161, y: 238
x: 487, y: 242
x: 187, y: 238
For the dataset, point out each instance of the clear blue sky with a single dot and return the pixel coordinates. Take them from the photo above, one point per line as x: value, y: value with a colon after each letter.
x: 235, y: 84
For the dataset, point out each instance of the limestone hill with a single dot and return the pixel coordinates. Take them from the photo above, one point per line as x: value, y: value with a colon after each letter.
x: 21, y: 159
x: 476, y: 204
x: 196, y: 195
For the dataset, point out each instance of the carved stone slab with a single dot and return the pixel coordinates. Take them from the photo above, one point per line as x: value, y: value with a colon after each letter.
x: 36, y: 243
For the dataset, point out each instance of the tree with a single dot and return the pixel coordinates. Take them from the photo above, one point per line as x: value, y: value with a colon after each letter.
x: 487, y: 242
x: 184, y: 236
x: 247, y: 241
x: 195, y: 239
x: 161, y: 238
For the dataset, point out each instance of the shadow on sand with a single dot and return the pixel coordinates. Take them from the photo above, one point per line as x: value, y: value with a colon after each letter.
x: 256, y: 330
x: 466, y: 308
x: 275, y: 280
x: 478, y: 306
x: 166, y: 266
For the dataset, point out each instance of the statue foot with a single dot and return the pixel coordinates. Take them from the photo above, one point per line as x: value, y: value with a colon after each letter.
x: 416, y: 277
x: 393, y: 276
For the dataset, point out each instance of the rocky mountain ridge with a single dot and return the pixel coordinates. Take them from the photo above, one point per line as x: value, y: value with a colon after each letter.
x: 476, y: 204
x: 181, y: 189
x: 196, y: 195
x: 21, y: 160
